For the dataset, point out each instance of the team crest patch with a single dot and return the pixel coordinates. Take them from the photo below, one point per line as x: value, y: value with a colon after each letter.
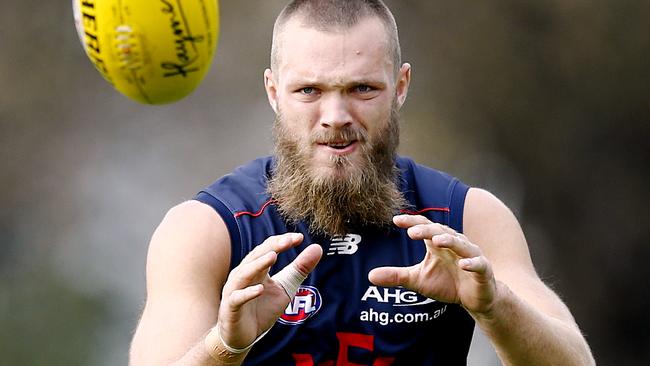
x: 304, y: 305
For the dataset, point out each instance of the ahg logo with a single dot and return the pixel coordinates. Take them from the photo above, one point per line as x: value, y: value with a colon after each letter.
x: 304, y: 305
x: 348, y: 244
x: 395, y: 295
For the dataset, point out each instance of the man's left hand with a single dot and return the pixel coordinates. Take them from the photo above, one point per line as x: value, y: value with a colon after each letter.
x: 454, y: 270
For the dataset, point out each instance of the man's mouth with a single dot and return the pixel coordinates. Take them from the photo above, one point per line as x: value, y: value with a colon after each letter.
x: 338, y: 145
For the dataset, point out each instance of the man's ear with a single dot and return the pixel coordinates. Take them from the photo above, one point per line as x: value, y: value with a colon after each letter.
x: 402, y: 85
x: 271, y: 89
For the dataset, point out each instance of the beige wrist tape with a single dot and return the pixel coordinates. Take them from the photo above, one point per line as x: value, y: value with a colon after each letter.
x: 221, y: 351
x: 290, y: 279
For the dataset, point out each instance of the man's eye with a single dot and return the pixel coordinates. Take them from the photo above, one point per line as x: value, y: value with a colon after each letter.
x: 364, y: 88
x: 307, y: 91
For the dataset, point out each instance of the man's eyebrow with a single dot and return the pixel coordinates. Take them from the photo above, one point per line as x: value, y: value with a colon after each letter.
x: 373, y: 82
x: 338, y: 84
x: 299, y: 84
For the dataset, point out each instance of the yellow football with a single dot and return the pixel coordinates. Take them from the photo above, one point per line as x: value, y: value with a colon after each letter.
x: 153, y: 51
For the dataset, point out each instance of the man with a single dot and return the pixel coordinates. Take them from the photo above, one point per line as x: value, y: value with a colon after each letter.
x: 398, y: 284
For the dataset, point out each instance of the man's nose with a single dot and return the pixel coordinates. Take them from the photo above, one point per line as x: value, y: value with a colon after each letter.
x: 335, y: 112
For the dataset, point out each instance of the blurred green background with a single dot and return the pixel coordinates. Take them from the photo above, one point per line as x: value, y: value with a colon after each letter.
x: 546, y: 104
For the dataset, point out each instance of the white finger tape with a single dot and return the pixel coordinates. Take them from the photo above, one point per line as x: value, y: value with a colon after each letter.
x: 290, y: 279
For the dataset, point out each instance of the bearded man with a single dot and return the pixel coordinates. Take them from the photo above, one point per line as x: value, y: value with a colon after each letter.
x: 399, y: 284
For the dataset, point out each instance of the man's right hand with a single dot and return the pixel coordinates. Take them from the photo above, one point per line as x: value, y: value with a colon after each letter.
x: 251, y: 300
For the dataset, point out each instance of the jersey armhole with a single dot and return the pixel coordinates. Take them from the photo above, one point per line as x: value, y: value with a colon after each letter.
x: 458, y: 192
x: 231, y: 224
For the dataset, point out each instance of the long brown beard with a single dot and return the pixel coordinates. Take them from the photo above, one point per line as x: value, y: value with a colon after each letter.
x: 353, y: 196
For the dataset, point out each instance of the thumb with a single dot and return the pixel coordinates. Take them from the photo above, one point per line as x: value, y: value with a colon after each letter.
x: 391, y: 276
x: 307, y: 260
x: 291, y: 276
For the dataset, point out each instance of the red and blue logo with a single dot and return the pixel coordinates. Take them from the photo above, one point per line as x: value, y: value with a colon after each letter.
x: 304, y: 305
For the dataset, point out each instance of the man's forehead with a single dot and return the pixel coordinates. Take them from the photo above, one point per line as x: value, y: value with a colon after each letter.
x: 305, y: 47
x: 300, y: 27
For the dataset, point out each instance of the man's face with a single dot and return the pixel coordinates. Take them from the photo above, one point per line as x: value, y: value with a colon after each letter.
x: 334, y: 91
x: 336, y: 99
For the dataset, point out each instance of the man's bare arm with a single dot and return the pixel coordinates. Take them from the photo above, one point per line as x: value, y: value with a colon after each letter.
x: 527, y: 322
x: 489, y: 272
x: 187, y: 265
x: 189, y: 288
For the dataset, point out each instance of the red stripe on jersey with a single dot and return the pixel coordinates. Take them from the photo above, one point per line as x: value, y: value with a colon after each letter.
x: 419, y: 212
x: 256, y: 214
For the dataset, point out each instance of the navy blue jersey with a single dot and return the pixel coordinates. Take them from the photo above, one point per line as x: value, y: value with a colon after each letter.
x: 338, y: 317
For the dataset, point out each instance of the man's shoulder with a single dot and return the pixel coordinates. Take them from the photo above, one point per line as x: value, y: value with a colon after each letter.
x: 438, y: 194
x: 189, y: 227
x: 244, y: 189
x: 190, y: 216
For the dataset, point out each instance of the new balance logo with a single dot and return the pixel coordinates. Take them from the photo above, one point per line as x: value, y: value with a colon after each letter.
x: 348, y: 244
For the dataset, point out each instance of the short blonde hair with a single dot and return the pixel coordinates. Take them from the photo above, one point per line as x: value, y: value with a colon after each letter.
x: 328, y: 15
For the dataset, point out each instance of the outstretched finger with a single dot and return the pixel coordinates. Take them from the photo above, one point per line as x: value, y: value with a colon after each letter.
x: 406, y: 221
x: 391, y: 276
x: 276, y: 243
x: 459, y: 244
x: 240, y: 297
x: 479, y: 265
x: 246, y: 273
x: 427, y: 231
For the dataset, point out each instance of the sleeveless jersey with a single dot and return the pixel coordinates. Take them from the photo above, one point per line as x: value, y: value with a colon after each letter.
x: 338, y: 317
